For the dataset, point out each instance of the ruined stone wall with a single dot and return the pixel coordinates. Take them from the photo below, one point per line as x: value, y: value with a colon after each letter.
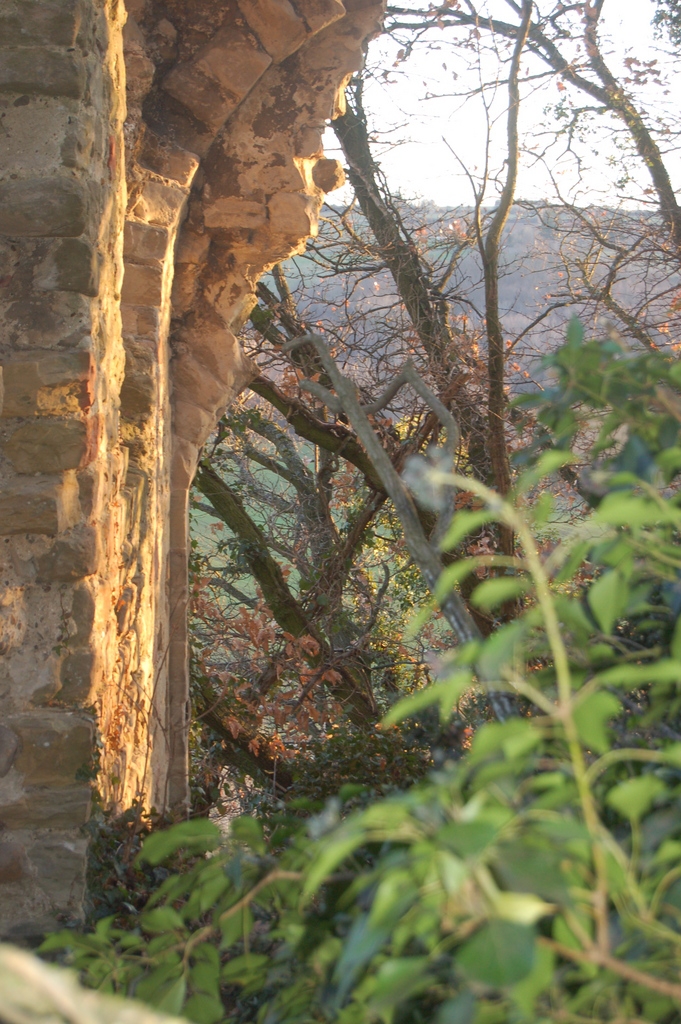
x: 140, y: 201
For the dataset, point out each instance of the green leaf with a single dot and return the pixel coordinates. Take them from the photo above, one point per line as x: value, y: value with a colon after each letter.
x: 625, y: 509
x: 500, y: 954
x: 398, y: 979
x: 666, y: 670
x: 173, y: 998
x: 563, y: 933
x: 196, y: 836
x: 500, y: 649
x: 522, y: 907
x: 574, y: 558
x: 675, y: 646
x: 468, y: 838
x: 590, y: 717
x: 395, y: 893
x: 575, y: 333
x: 672, y: 754
x: 241, y: 970
x: 457, y: 1011
x: 236, y: 927
x: 492, y: 593
x: 203, y: 1009
x: 543, y: 510
x: 343, y: 842
x: 547, y: 463
x: 386, y: 814
x: 445, y: 693
x: 607, y: 599
x: 634, y: 797
x: 248, y: 830
x: 205, y: 978
x: 211, y: 891
x: 527, y: 991
x: 669, y: 461
x: 462, y: 524
x: 530, y: 863
x: 513, y: 738
x: 160, y: 920
x: 361, y: 944
x: 452, y: 871
x: 453, y: 574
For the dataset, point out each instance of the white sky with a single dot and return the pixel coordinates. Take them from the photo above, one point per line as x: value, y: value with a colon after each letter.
x: 414, y: 151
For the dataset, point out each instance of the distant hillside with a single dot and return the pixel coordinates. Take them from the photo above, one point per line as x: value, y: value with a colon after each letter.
x: 550, y: 259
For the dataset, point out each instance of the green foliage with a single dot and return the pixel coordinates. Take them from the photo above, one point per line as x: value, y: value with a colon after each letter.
x: 534, y: 879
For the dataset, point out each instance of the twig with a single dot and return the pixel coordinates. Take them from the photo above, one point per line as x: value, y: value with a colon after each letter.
x: 274, y: 876
x: 595, y: 956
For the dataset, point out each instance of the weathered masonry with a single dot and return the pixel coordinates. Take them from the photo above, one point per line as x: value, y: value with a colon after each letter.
x: 154, y: 162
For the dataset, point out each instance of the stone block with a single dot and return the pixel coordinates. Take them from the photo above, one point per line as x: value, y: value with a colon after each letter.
x: 59, y: 863
x: 126, y: 606
x: 141, y: 321
x: 139, y: 74
x: 48, y: 383
x: 183, y: 464
x: 320, y: 13
x: 160, y: 204
x: 46, y: 506
x: 139, y: 392
x: 13, y: 863
x: 90, y: 486
x: 12, y: 623
x: 38, y: 207
x: 133, y: 36
x: 144, y: 241
x: 72, y: 557
x: 37, y: 129
x: 163, y: 39
x: 199, y: 94
x: 42, y: 72
x: 276, y: 25
x: 234, y: 214
x: 169, y: 161
x: 142, y: 285
x: 34, y: 677
x: 191, y: 247
x: 178, y: 517
x: 56, y: 368
x: 185, y: 283
x: 39, y: 807
x: 9, y: 748
x: 83, y: 611
x: 220, y: 352
x: 222, y: 73
x: 48, y: 320
x: 134, y: 493
x: 81, y: 677
x: 55, y: 745
x: 30, y: 22
x: 72, y: 267
x: 328, y: 175
x: 308, y: 143
x: 196, y: 383
x: 51, y: 446
x: 292, y: 215
x: 192, y: 422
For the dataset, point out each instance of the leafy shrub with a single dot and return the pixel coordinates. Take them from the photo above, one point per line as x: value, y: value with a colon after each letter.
x: 534, y: 879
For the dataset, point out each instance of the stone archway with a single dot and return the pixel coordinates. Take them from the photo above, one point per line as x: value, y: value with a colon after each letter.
x: 155, y: 162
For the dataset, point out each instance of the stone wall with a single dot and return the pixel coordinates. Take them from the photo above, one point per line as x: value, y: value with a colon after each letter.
x: 154, y: 163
